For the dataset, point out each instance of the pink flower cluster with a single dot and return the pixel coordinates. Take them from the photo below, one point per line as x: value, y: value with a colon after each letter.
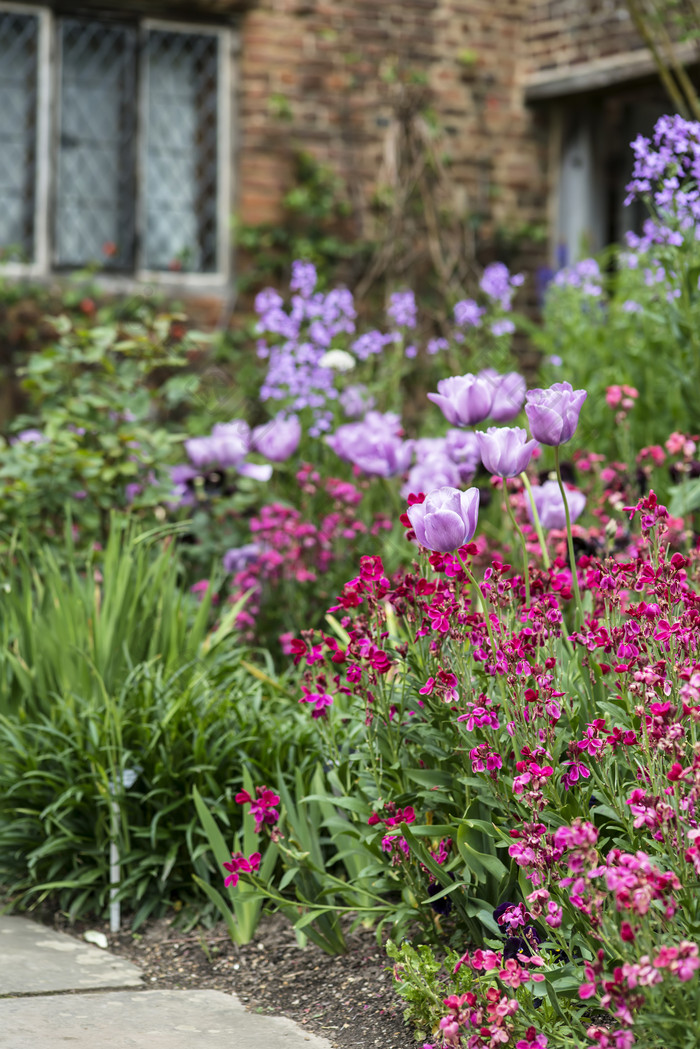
x: 263, y: 806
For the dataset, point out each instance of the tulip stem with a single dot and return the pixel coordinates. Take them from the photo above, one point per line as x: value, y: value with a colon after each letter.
x: 536, y: 520
x: 519, y: 530
x: 569, y: 537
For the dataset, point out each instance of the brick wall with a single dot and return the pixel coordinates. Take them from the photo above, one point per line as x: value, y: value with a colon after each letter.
x: 335, y: 64
x: 565, y: 33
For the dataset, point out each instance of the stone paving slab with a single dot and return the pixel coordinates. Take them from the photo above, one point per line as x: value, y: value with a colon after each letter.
x: 35, y: 959
x: 145, y: 1020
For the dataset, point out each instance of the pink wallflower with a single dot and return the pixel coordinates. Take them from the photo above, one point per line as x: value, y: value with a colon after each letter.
x: 239, y: 864
x: 263, y: 806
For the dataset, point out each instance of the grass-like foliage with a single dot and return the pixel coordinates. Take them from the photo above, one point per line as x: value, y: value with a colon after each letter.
x: 113, y: 690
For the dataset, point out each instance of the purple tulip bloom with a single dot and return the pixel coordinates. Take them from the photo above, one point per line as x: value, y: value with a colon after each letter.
x: 239, y: 557
x: 463, y: 448
x: 550, y: 505
x: 508, y: 395
x: 278, y: 439
x: 446, y: 520
x: 374, y: 445
x: 464, y: 399
x: 227, y: 445
x: 553, y: 413
x: 430, y: 471
x: 505, y: 451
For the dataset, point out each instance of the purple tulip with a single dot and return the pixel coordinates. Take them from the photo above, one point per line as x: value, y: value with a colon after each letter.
x: 553, y: 413
x: 227, y: 445
x: 550, y: 505
x: 430, y: 471
x: 505, y: 451
x: 226, y: 448
x: 464, y: 399
x: 238, y: 558
x: 508, y: 395
x: 374, y: 445
x: 463, y: 448
x: 278, y: 439
x: 446, y: 520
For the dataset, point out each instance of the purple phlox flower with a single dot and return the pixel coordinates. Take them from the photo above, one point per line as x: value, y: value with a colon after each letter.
x: 303, y: 278
x: 502, y: 326
x: 436, y: 345
x: 505, y: 451
x: 402, y: 309
x: 497, y: 283
x: 550, y: 505
x: 374, y: 444
x: 468, y: 313
x: 369, y: 344
x: 446, y: 520
x: 278, y: 439
x: 584, y: 275
x: 238, y: 558
x: 508, y: 394
x: 553, y: 413
x: 630, y: 306
x: 431, y: 470
x: 410, y: 352
x: 464, y: 400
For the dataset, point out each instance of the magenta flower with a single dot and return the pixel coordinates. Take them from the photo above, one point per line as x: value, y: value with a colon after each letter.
x: 446, y: 520
x: 553, y: 413
x: 319, y: 701
x: 464, y: 399
x: 505, y: 451
x: 240, y: 865
x: 550, y: 505
x: 263, y: 807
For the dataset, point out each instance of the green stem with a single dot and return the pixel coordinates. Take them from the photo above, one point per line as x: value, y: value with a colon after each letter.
x: 536, y: 520
x: 569, y: 537
x: 518, y: 529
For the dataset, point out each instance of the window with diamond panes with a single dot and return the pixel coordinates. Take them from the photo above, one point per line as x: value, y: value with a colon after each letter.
x: 132, y: 170
x: 19, y: 67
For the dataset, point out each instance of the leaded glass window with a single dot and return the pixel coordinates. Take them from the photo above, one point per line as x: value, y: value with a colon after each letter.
x: 19, y: 39
x: 131, y: 165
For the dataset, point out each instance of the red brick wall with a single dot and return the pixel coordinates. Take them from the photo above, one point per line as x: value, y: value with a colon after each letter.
x: 565, y: 33
x: 332, y: 59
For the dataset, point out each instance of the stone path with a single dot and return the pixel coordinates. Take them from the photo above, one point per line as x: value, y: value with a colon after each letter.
x: 59, y: 993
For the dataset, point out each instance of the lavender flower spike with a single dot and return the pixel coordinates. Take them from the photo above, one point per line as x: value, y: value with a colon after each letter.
x: 553, y: 413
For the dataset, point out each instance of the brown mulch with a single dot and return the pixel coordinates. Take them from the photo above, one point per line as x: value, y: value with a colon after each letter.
x: 348, y: 999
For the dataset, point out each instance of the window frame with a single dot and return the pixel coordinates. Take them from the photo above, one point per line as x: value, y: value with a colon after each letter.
x: 46, y: 174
